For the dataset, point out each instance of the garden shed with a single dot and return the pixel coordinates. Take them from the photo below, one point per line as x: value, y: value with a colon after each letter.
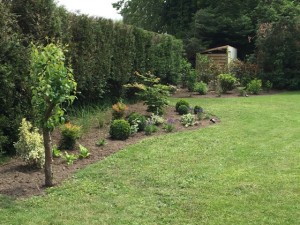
x: 221, y: 55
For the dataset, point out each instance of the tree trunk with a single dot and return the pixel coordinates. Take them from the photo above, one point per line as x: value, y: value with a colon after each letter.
x: 48, y: 158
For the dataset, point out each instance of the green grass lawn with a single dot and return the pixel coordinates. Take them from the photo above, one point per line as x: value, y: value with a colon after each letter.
x: 245, y: 170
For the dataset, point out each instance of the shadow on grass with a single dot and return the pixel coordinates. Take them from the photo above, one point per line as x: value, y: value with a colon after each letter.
x: 7, y: 202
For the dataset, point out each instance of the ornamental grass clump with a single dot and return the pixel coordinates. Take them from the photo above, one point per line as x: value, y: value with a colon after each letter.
x: 69, y: 135
x: 30, y: 145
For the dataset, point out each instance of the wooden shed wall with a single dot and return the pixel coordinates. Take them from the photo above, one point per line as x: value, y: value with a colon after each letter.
x: 220, y: 59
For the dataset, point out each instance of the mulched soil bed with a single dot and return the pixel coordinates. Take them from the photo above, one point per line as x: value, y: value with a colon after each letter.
x: 17, y: 180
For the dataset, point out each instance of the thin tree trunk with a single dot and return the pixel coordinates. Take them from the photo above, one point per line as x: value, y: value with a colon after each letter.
x: 48, y: 158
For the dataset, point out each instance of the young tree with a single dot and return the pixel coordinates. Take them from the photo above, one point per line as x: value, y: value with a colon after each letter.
x: 52, y: 85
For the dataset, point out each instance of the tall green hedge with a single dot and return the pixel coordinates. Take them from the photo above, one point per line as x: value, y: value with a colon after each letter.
x: 103, y: 54
x: 14, y: 93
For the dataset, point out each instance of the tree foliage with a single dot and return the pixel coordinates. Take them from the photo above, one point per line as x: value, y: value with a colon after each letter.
x: 104, y: 54
x: 37, y: 19
x: 14, y: 67
x: 281, y: 65
x: 142, y: 13
x: 209, y: 23
x: 52, y: 85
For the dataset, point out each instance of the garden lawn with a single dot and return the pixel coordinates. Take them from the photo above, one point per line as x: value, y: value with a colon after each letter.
x: 245, y: 170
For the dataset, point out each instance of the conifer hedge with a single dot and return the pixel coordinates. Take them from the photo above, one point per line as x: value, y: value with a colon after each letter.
x: 103, y: 54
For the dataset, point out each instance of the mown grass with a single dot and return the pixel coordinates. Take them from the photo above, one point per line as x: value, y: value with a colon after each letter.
x: 245, y: 170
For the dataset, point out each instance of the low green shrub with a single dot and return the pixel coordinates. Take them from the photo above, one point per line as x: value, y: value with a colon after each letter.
x: 30, y: 145
x: 201, y: 88
x: 152, y: 92
x: 183, y: 109
x: 268, y: 85
x: 156, y: 99
x: 70, y: 158
x: 155, y: 119
x: 188, y: 120
x: 242, y: 91
x: 198, y: 109
x: 119, y: 129
x: 169, y: 126
x: 181, y: 102
x: 83, y: 152
x: 254, y: 87
x: 134, y: 128
x: 227, y: 82
x: 150, y: 129
x: 101, y: 142
x: 69, y: 134
x: 139, y: 119
x: 191, y: 79
x: 56, y: 152
x: 172, y: 89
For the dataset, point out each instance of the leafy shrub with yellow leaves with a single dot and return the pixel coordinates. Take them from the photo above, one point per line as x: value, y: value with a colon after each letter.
x: 30, y: 145
x: 119, y: 110
x: 69, y: 134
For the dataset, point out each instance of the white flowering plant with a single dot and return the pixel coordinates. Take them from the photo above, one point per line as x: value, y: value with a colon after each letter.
x: 30, y: 145
x: 188, y: 120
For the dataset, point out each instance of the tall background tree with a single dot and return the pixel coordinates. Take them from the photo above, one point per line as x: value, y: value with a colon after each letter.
x: 196, y: 22
x: 14, y: 92
x: 278, y: 42
x: 208, y: 23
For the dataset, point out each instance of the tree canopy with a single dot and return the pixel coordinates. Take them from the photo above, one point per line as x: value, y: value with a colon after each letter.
x: 209, y: 23
x: 52, y: 85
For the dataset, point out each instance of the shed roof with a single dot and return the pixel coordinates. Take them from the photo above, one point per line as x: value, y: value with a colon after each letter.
x: 225, y: 47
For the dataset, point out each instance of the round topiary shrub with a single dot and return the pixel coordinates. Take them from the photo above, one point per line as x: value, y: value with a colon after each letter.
x: 183, y: 109
x: 139, y: 119
x: 198, y: 109
x: 119, y: 130
x: 181, y: 102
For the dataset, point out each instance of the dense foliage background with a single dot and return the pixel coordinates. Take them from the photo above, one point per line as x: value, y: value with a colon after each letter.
x: 103, y: 54
x: 205, y: 24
